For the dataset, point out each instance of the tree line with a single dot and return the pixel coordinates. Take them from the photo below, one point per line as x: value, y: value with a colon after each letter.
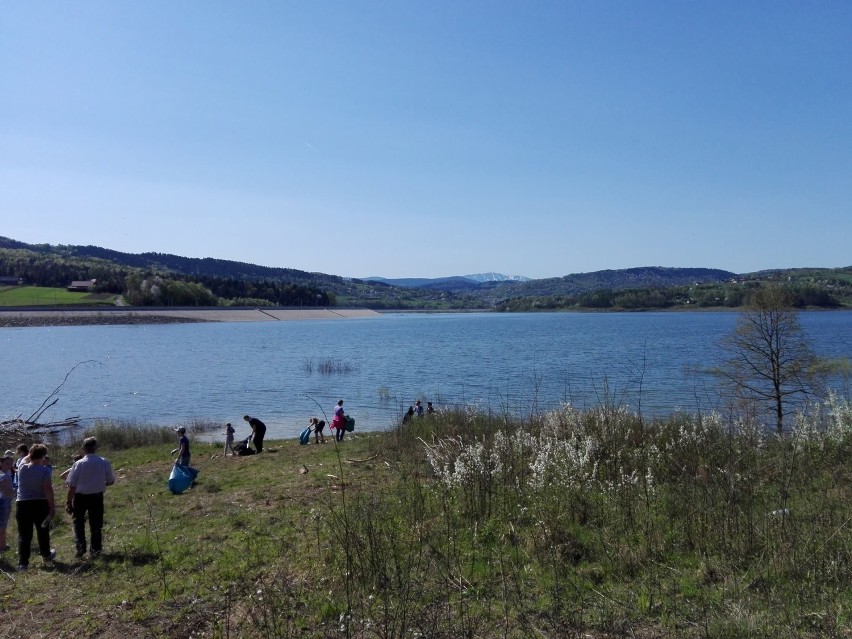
x: 149, y: 287
x: 725, y: 295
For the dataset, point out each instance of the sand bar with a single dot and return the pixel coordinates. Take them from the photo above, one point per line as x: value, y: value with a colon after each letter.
x: 136, y: 315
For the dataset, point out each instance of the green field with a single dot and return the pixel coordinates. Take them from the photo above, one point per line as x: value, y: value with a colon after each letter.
x: 45, y: 296
x: 565, y: 525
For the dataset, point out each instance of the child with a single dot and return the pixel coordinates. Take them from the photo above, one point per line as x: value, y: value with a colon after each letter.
x: 23, y: 454
x: 229, y: 439
x: 183, y: 454
x: 317, y: 425
x: 7, y: 493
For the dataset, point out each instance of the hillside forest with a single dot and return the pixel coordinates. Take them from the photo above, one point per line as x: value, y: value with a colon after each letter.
x: 157, y: 279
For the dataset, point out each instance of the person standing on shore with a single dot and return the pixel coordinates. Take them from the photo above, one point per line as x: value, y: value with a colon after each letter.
x: 35, y: 507
x: 87, y: 482
x: 182, y: 450
x: 23, y: 451
x: 7, y: 495
x: 229, y: 439
x: 258, y: 431
x: 339, y: 421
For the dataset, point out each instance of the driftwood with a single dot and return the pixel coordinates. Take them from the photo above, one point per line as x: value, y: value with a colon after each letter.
x: 26, y: 425
x: 13, y: 430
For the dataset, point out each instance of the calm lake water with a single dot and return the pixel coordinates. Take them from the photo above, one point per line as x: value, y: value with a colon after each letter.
x: 518, y: 363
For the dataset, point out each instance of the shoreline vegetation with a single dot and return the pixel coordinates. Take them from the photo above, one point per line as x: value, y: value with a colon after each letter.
x: 568, y: 523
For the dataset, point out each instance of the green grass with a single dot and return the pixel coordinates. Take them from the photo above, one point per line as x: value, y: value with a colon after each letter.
x: 45, y: 296
x: 567, y: 524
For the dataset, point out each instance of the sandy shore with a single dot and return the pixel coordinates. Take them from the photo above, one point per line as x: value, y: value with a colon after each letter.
x: 105, y: 316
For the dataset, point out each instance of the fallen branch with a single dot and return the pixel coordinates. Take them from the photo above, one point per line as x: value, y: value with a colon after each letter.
x: 361, y: 461
x: 32, y: 419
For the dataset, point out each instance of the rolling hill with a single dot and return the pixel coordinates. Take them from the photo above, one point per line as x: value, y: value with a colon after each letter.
x: 235, y: 282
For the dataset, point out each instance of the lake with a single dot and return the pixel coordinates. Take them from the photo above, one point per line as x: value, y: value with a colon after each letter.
x: 515, y: 363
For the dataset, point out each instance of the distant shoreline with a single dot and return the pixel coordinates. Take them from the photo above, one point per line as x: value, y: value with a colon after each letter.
x: 21, y: 318
x: 107, y: 316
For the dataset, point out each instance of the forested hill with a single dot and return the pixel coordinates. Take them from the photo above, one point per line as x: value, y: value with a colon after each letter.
x: 165, y: 279
x: 208, y: 267
x: 227, y: 269
x: 641, y: 277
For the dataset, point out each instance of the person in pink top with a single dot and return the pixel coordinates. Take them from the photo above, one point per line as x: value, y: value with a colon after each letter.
x: 339, y: 421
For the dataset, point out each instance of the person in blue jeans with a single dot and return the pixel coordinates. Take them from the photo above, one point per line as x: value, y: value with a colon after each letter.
x: 7, y: 495
x: 339, y: 421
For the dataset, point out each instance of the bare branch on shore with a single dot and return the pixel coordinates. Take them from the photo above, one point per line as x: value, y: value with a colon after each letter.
x: 33, y: 419
x: 17, y: 428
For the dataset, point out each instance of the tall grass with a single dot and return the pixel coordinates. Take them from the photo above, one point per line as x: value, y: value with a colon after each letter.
x: 124, y: 434
x: 463, y: 524
x: 487, y: 527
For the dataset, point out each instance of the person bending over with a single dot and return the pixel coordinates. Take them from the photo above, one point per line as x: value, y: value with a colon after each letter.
x: 258, y: 431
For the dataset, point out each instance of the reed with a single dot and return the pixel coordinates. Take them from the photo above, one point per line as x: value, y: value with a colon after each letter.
x: 328, y: 366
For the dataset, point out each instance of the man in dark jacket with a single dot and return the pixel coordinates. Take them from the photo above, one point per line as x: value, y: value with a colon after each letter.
x: 258, y: 430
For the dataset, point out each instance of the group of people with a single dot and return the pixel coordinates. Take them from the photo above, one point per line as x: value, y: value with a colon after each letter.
x: 258, y: 432
x: 28, y: 481
x: 338, y: 424
x: 417, y: 410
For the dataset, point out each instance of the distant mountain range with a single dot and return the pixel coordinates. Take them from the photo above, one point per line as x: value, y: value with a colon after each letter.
x: 453, y: 283
x: 497, y: 277
x: 568, y: 285
x: 490, y: 285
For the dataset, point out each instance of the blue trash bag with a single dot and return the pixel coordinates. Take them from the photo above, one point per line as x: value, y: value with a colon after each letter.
x: 305, y: 437
x: 181, y: 478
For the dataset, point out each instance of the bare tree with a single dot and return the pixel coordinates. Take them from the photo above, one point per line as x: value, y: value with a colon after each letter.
x: 769, y: 358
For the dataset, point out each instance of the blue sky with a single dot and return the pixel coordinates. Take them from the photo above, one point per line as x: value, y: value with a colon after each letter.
x: 426, y: 139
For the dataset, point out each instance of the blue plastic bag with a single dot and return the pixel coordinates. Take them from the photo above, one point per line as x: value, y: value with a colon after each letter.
x: 305, y: 437
x: 181, y: 478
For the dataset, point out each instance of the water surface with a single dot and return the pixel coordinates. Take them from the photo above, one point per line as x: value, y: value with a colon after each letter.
x: 653, y: 362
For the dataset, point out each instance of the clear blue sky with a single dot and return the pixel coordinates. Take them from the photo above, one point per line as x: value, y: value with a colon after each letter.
x: 425, y: 139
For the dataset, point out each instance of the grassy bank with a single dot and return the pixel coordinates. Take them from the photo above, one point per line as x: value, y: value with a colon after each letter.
x: 45, y: 296
x: 593, y: 523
